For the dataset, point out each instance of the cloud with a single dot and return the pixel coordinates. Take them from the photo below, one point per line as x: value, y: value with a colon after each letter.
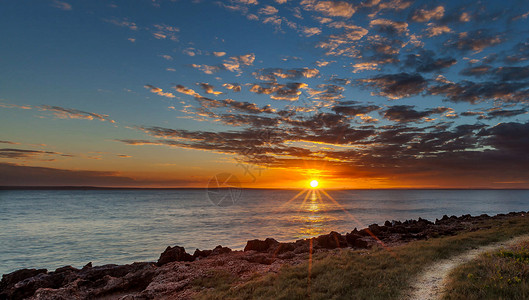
x: 476, y: 41
x: 18, y: 175
x: 407, y: 113
x: 268, y: 10
x: 472, y: 92
x: 310, y: 31
x: 232, y: 86
x: 274, y: 74
x: 208, y: 88
x: 163, y: 31
x: 12, y: 153
x: 330, y: 8
x: 476, y: 71
x: 424, y: 15
x: 396, y: 86
x: 219, y: 53
x: 8, y: 142
x: 345, y: 43
x: 124, y: 23
x: 159, y: 91
x: 207, y: 69
x: 166, y: 57
x: 182, y: 89
x: 390, y: 27
x: 289, y: 91
x: 70, y: 113
x: 354, y: 110
x: 62, y: 5
x: 435, y: 30
x: 425, y: 62
x: 235, y: 63
x: 328, y: 92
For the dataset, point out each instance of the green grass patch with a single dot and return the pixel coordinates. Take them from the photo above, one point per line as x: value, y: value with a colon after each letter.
x: 375, y: 274
x: 502, y: 274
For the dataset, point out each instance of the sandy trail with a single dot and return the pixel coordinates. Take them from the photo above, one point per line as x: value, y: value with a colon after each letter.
x: 430, y: 285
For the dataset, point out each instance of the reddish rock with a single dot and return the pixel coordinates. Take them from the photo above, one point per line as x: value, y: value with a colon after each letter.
x: 175, y: 253
x: 365, y: 242
x: 331, y: 241
x: 351, y: 238
x: 202, y: 253
x: 220, y: 250
x: 260, y: 246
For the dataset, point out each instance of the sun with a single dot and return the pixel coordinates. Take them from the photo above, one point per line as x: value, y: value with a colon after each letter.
x: 314, y: 184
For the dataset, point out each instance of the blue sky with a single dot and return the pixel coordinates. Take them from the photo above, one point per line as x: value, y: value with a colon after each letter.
x: 361, y: 94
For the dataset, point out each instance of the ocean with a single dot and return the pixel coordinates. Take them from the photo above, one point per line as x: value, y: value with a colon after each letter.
x: 54, y: 228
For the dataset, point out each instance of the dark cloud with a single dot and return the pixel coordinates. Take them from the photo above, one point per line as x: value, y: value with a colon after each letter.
x: 425, y: 62
x: 396, y: 86
x: 505, y: 113
x: 468, y: 91
x: 511, y: 137
x: 354, y: 110
x: 25, y: 154
x: 477, y: 71
x: 14, y: 175
x: 407, y: 113
x: 476, y: 40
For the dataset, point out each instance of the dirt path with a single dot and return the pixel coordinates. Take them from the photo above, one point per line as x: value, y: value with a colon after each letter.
x: 430, y: 284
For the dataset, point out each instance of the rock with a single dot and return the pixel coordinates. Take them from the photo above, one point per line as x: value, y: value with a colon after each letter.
x: 175, y: 253
x: 10, y: 287
x: 331, y: 241
x: 87, y: 266
x: 365, y: 242
x: 302, y: 246
x: 9, y: 280
x: 364, y: 232
x: 388, y: 223
x: 260, y: 259
x: 202, y: 253
x: 352, y: 237
x: 287, y: 255
x: 66, y: 269
x: 260, y: 246
x: 282, y: 248
x: 220, y: 250
x: 375, y: 229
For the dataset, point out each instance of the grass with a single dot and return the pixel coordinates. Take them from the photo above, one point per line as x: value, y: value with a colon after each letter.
x: 375, y: 274
x: 502, y: 274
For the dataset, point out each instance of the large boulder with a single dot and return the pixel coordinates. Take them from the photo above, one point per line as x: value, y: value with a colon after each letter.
x: 175, y: 253
x: 9, y: 288
x: 260, y: 246
x: 351, y: 237
x: 331, y: 241
x: 365, y: 242
x: 220, y: 250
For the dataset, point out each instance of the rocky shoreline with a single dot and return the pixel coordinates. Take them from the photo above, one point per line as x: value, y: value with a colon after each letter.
x: 176, y: 272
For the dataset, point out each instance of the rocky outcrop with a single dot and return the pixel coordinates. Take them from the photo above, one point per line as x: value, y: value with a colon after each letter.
x: 70, y: 283
x: 174, y: 272
x: 175, y: 253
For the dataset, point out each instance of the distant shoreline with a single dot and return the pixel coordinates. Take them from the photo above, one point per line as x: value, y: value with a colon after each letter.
x: 29, y: 188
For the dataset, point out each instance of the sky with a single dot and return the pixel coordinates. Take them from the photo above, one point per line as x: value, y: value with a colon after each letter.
x: 355, y: 94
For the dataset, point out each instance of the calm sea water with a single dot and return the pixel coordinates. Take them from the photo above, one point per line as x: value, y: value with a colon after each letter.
x: 50, y: 229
